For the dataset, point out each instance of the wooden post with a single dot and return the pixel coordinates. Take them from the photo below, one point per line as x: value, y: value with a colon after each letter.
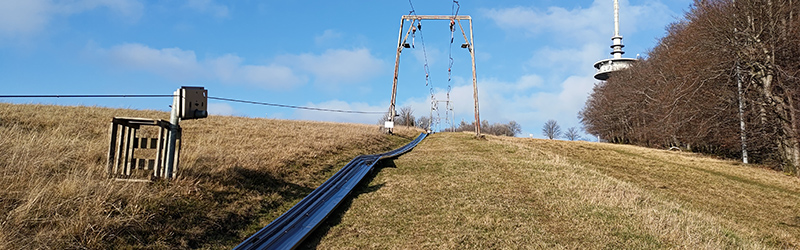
x: 111, y: 148
x: 124, y: 143
x: 120, y: 149
x: 396, y: 68
x: 177, y: 155
x: 474, y: 81
x: 160, y: 153
x: 129, y: 137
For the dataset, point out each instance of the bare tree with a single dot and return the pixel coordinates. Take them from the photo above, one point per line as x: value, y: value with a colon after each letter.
x: 572, y: 134
x: 726, y: 66
x: 406, y: 117
x: 464, y: 126
x: 511, y: 129
x: 515, y: 128
x: 551, y: 129
x: 424, y: 122
x: 502, y: 129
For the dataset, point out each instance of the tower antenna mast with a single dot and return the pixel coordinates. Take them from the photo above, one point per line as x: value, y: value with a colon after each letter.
x: 606, y: 67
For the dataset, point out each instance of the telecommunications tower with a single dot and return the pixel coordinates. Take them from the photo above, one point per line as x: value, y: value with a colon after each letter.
x: 616, y: 63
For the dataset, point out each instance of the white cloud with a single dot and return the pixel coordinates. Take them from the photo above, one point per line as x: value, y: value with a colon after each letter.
x: 563, y: 105
x: 528, y: 81
x: 220, y: 109
x: 174, y: 63
x: 432, y: 54
x: 229, y: 69
x: 208, y: 6
x: 22, y: 17
x: 577, y: 23
x: 27, y: 17
x: 581, y: 24
x: 341, y: 117
x: 130, y: 10
x: 333, y: 66
x: 275, y: 76
x: 337, y: 65
x: 524, y: 83
x: 327, y: 36
x: 576, y: 60
x: 183, y: 65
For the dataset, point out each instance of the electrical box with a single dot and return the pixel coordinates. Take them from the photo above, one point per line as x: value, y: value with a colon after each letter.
x: 194, y: 103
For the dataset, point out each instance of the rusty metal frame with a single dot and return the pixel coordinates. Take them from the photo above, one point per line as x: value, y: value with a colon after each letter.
x: 469, y: 42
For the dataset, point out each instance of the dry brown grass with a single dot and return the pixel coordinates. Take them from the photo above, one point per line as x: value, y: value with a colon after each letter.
x: 452, y: 191
x: 456, y: 192
x: 237, y: 174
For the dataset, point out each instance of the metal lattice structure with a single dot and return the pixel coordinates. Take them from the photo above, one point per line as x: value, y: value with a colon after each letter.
x: 449, y: 115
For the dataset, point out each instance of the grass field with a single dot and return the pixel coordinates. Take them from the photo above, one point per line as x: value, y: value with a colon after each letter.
x: 236, y: 175
x: 452, y: 191
x: 457, y: 192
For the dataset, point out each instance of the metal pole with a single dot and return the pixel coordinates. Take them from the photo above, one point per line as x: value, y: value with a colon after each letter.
x: 452, y: 118
x: 616, y: 17
x: 430, y: 121
x: 392, y: 108
x: 474, y: 81
x: 173, y: 132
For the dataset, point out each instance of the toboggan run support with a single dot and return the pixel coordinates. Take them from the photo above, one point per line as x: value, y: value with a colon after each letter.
x: 125, y: 141
x: 188, y: 103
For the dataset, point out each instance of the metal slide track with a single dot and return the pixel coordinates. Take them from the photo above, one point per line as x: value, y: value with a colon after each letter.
x: 292, y: 227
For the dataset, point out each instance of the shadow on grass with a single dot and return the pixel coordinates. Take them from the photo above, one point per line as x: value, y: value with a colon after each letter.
x: 249, y: 180
x: 189, y: 222
x: 335, y: 218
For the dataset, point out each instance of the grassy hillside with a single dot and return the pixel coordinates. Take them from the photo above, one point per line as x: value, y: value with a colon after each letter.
x: 452, y: 191
x: 236, y: 175
x: 456, y: 192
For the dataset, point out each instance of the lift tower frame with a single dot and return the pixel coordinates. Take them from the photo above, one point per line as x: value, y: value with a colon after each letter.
x: 402, y: 43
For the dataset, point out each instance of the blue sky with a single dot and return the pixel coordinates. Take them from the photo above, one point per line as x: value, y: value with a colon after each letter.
x: 534, y: 58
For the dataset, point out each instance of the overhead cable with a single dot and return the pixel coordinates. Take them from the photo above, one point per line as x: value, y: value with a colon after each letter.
x: 214, y: 98
x: 81, y: 96
x: 297, y: 107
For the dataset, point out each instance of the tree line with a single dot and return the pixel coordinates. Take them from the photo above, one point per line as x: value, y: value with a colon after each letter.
x: 724, y: 80
x: 405, y: 117
x: 552, y: 130
x: 511, y: 128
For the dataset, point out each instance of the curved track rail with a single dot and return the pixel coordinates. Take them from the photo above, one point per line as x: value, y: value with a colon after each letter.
x: 292, y: 227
